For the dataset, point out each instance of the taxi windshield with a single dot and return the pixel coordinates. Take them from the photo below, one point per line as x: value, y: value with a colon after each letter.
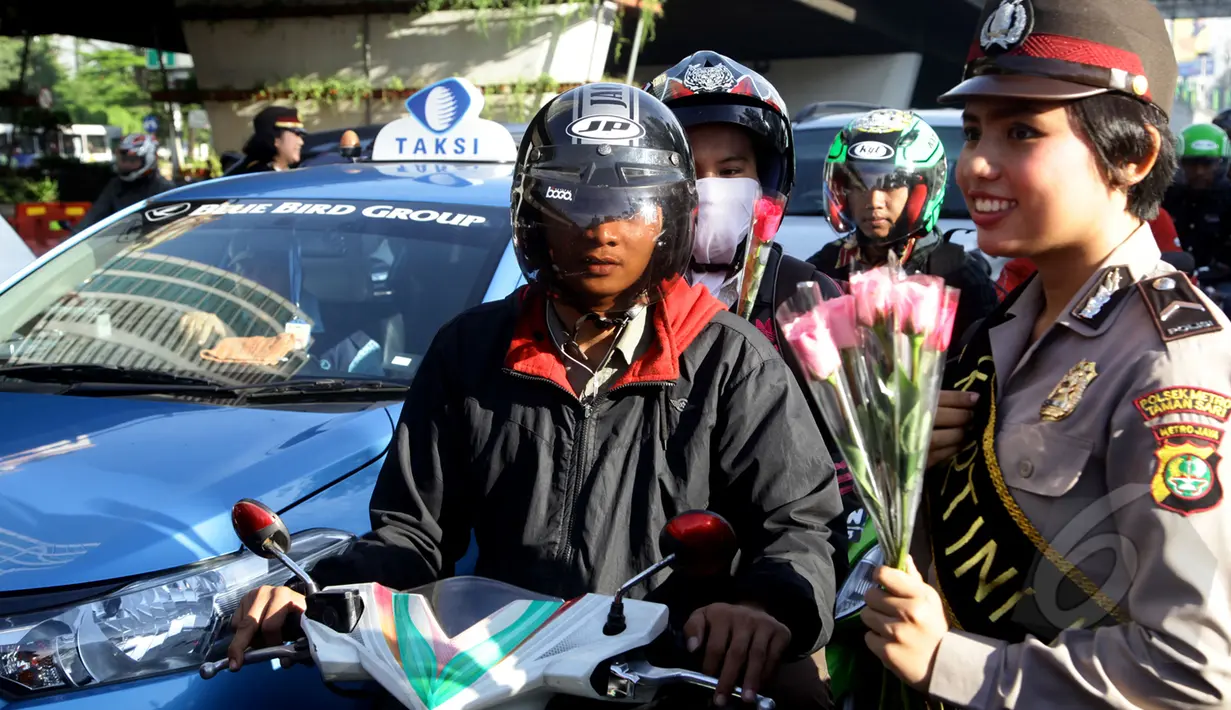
x: 248, y: 292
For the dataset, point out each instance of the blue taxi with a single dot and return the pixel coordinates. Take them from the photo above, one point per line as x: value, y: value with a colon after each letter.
x: 244, y: 337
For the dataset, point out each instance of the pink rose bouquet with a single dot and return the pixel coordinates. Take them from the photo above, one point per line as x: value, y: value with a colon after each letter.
x: 876, y: 359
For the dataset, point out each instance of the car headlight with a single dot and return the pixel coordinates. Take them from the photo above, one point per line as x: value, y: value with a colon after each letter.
x: 850, y: 596
x: 172, y: 622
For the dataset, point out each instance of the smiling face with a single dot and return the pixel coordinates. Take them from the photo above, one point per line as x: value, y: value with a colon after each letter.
x: 1032, y: 184
x: 288, y: 145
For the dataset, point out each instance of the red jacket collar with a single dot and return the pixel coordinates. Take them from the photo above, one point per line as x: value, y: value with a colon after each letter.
x: 678, y: 320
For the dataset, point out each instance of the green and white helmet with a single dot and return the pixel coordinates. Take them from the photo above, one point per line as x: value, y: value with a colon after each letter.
x: 1204, y: 141
x: 885, y: 150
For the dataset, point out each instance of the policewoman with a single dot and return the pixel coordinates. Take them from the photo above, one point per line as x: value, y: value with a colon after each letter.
x: 1077, y: 547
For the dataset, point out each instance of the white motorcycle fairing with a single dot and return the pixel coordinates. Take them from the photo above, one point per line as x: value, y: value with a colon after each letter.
x: 517, y: 655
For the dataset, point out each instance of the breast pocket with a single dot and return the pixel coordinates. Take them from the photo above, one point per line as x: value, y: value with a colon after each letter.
x: 1039, y: 459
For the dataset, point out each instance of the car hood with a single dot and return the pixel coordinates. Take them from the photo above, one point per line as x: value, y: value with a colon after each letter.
x: 98, y: 489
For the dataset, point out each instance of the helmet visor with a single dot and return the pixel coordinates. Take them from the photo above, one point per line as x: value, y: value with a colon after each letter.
x: 604, y: 249
x: 882, y: 200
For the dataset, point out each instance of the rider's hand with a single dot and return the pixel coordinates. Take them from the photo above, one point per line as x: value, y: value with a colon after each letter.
x: 954, y: 413
x: 262, y: 610
x: 906, y: 623
x: 201, y: 326
x: 737, y: 638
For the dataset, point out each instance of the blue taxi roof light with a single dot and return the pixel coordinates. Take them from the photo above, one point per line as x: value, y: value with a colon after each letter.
x: 444, y: 125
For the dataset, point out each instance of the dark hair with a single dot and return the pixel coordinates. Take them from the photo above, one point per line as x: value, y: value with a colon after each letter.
x: 1114, y: 126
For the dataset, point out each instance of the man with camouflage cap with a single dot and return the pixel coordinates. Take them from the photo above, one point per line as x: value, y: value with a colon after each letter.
x: 1076, y: 551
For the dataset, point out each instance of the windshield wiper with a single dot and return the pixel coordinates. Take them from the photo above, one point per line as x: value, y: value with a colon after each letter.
x: 313, y: 390
x: 294, y: 390
x: 81, y: 373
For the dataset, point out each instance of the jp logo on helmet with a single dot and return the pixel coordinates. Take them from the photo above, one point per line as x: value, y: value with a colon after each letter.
x: 872, y: 150
x: 605, y: 128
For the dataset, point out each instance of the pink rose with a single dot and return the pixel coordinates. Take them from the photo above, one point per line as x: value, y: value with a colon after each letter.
x: 767, y: 215
x: 873, y: 292
x: 942, y: 335
x: 917, y: 303
x: 840, y: 318
x: 809, y: 337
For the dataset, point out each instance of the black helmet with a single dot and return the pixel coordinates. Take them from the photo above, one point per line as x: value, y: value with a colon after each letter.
x: 710, y: 88
x: 597, y: 155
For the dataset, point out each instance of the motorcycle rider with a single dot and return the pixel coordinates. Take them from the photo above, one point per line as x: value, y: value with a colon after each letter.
x: 885, y: 180
x: 136, y: 179
x: 568, y: 422
x: 276, y: 142
x: 744, y: 150
x: 1200, y: 204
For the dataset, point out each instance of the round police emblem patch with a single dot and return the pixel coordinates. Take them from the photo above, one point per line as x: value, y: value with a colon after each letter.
x: 1008, y: 26
x: 1187, y: 476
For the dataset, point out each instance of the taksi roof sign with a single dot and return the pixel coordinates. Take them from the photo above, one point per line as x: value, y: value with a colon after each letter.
x: 444, y: 125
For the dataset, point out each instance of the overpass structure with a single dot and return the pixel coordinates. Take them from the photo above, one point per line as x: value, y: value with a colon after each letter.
x: 889, y: 52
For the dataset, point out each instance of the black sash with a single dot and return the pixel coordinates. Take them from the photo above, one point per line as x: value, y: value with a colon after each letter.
x: 987, y: 554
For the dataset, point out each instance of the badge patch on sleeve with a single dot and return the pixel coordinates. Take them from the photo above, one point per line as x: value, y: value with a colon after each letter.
x: 1187, y: 430
x: 1177, y: 310
x: 1186, y: 478
x: 1184, y: 400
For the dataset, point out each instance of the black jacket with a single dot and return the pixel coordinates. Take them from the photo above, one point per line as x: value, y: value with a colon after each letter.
x: 1202, y: 220
x: 935, y: 256
x: 119, y: 194
x: 567, y: 498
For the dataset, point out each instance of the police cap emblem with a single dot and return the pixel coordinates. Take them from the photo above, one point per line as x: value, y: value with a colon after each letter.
x: 1007, y: 27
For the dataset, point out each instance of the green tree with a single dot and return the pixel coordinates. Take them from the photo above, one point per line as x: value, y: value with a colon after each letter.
x: 109, y: 88
x: 41, y: 69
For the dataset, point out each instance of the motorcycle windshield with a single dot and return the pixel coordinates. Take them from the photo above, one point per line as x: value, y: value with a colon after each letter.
x: 459, y: 603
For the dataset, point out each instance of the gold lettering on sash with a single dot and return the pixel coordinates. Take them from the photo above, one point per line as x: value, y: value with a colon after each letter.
x: 987, y: 553
x: 965, y: 538
x: 964, y: 461
x: 1004, y: 609
x: 975, y: 375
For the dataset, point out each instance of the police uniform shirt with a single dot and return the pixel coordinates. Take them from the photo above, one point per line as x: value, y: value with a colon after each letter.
x: 1110, y: 431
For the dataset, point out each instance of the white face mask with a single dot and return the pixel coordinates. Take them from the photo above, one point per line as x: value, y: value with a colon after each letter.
x: 724, y: 218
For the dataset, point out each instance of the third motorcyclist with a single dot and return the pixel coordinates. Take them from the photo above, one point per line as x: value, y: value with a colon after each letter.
x: 567, y: 423
x: 885, y: 181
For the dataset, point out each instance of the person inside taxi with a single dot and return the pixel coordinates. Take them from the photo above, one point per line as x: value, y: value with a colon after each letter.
x: 568, y: 422
x: 268, y: 263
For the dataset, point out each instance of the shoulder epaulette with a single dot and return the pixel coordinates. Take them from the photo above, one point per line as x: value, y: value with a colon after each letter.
x: 1177, y: 309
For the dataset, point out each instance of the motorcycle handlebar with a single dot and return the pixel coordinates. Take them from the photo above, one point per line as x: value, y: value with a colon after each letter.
x: 296, y: 653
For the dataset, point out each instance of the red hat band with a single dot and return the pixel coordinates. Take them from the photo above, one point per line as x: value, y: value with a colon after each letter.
x: 1068, y: 58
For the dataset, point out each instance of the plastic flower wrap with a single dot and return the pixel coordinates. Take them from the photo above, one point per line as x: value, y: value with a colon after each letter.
x: 766, y: 217
x: 876, y: 358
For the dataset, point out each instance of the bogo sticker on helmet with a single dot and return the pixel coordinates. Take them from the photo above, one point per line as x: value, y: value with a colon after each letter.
x: 605, y: 128
x: 871, y: 150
